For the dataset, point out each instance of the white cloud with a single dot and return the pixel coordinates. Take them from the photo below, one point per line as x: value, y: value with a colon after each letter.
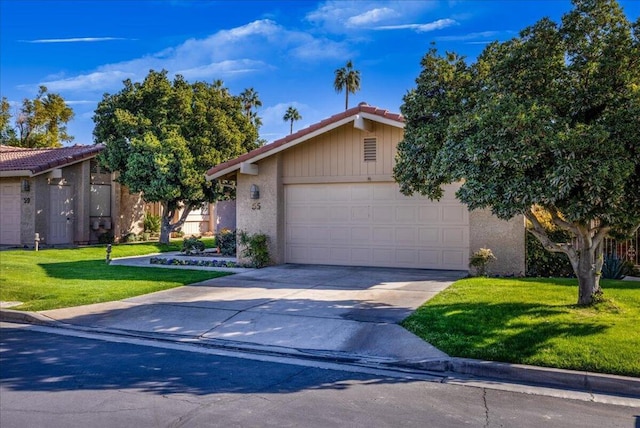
x: 421, y: 28
x: 250, y: 48
x: 343, y: 16
x: 75, y: 40
x: 371, y: 17
x: 469, y: 36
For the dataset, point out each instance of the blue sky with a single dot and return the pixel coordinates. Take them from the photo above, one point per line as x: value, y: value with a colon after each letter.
x: 286, y: 50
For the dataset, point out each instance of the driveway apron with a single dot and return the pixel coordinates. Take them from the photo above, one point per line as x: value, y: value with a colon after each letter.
x: 324, y: 310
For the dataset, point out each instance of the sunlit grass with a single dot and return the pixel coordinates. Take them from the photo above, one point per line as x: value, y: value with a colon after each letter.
x: 58, y: 278
x: 535, y: 321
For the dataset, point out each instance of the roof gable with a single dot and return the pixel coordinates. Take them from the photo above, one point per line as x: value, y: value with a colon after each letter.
x: 363, y: 110
x: 24, y: 161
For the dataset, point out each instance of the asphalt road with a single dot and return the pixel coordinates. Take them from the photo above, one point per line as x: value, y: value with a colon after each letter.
x: 52, y: 380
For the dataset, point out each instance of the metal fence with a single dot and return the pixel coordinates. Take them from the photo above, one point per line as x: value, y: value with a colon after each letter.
x: 627, y: 250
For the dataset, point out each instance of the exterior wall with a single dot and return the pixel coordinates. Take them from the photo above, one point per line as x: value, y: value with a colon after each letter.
x: 41, y: 207
x: 338, y: 156
x: 130, y: 217
x: 264, y: 215
x: 225, y: 216
x: 506, y: 239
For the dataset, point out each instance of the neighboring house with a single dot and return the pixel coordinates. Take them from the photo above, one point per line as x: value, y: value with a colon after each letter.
x: 326, y: 195
x: 206, y: 221
x: 62, y: 195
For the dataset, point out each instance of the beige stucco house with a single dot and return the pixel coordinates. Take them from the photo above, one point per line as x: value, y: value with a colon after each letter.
x: 62, y: 195
x: 326, y: 195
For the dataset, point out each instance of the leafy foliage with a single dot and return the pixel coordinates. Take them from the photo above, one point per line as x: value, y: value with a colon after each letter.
x: 192, y: 245
x: 348, y: 79
x: 226, y: 241
x: 41, y: 122
x: 256, y: 248
x: 550, y: 119
x: 161, y: 136
x: 613, y: 267
x: 151, y: 223
x: 291, y: 115
x: 481, y: 259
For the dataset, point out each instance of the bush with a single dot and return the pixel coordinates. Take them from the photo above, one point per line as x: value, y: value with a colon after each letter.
x: 106, y: 238
x: 129, y: 237
x: 151, y: 223
x: 613, y: 267
x: 226, y: 242
x: 481, y: 259
x: 256, y: 248
x: 192, y: 245
x: 543, y: 263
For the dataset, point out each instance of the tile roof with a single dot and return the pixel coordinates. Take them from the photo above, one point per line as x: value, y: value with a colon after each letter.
x: 39, y: 160
x: 361, y: 108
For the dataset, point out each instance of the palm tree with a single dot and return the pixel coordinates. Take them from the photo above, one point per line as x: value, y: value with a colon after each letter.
x: 249, y: 99
x: 349, y: 79
x: 291, y: 115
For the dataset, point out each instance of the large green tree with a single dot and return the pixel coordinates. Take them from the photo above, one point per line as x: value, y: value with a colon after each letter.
x: 40, y: 122
x: 161, y: 136
x: 549, y: 119
x: 348, y: 79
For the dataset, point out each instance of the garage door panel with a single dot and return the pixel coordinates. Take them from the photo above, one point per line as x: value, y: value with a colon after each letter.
x: 372, y: 224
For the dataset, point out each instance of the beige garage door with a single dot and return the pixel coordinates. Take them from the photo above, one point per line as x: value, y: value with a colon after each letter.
x: 372, y: 224
x: 10, y: 213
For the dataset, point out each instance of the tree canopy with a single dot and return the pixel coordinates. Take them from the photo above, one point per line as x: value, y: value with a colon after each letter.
x: 348, y: 79
x: 548, y: 119
x: 161, y: 136
x: 40, y: 122
x: 291, y: 115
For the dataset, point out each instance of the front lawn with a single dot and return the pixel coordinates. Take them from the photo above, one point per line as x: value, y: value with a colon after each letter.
x: 535, y: 321
x: 59, y: 278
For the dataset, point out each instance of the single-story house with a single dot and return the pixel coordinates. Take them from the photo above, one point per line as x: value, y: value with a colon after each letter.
x: 63, y: 196
x: 326, y: 195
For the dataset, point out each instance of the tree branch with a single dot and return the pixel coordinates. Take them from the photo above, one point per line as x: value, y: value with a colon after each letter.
x: 541, y: 234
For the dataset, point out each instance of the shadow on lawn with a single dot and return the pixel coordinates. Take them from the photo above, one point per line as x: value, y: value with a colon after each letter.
x: 508, y: 332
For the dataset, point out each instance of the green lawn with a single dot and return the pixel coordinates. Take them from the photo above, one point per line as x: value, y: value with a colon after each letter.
x: 535, y: 321
x: 58, y: 278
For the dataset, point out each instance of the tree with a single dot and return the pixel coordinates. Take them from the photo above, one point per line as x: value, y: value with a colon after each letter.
x: 161, y: 136
x: 41, y: 122
x: 250, y: 100
x: 347, y: 79
x: 550, y: 119
x: 291, y: 115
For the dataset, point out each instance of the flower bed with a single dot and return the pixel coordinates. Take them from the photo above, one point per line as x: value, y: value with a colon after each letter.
x: 192, y: 262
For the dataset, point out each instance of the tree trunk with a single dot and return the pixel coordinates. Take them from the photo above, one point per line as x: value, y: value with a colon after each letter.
x: 165, y: 228
x: 588, y: 281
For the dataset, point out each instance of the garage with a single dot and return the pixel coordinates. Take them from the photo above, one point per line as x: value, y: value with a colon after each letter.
x: 10, y: 213
x: 373, y: 224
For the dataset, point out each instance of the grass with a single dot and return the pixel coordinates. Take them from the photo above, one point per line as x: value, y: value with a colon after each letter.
x: 59, y: 278
x: 535, y: 321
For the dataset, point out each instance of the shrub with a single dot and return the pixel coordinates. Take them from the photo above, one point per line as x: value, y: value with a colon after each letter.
x: 106, y: 238
x: 129, y: 237
x: 226, y: 241
x: 613, y: 267
x: 481, y: 259
x: 256, y: 248
x: 192, y: 245
x: 151, y: 223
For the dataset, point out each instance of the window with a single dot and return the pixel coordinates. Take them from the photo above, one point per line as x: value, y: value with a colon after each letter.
x: 370, y: 151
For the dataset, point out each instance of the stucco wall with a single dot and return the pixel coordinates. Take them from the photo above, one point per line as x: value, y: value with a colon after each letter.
x: 506, y: 239
x: 264, y: 215
x: 131, y: 213
x: 225, y: 216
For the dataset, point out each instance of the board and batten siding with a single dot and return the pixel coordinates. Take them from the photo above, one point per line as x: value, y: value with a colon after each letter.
x: 338, y: 156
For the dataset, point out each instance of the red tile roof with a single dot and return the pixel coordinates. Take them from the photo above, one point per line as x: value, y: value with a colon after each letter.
x: 361, y: 108
x: 39, y: 160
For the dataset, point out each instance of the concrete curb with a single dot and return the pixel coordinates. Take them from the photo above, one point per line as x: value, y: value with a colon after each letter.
x: 451, y: 367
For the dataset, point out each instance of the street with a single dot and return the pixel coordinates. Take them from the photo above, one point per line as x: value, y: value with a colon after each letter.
x: 53, y: 380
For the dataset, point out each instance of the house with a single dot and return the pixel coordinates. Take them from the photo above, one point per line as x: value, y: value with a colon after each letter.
x: 62, y: 196
x: 326, y: 195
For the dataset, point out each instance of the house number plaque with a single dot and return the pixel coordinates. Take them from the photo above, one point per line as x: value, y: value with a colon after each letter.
x: 255, y: 206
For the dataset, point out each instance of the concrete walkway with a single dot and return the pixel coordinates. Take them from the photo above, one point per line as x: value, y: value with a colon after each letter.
x: 344, y: 312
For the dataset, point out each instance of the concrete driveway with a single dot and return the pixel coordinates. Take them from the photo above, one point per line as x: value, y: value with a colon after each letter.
x: 348, y: 312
